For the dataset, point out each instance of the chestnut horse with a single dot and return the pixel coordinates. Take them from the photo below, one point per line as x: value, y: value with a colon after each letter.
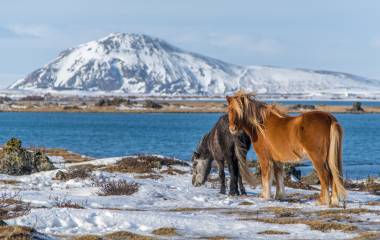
x: 278, y: 138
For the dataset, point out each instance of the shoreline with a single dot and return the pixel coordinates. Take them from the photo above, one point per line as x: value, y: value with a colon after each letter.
x: 181, y: 107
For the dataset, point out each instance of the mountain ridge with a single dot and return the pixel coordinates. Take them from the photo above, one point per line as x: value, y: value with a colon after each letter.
x: 141, y: 64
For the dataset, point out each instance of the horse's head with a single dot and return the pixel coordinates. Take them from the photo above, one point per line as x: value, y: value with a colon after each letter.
x: 235, y: 116
x: 244, y: 111
x: 201, y: 169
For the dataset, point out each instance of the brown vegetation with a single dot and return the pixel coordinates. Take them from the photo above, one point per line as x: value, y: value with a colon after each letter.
x: 11, y: 205
x: 65, y: 203
x: 68, y: 156
x: 120, y: 235
x: 117, y: 187
x: 148, y: 176
x: 18, y: 233
x: 367, y: 236
x: 245, y: 203
x: 80, y: 171
x: 273, y: 232
x: 322, y: 226
x: 143, y: 164
x: 165, y: 231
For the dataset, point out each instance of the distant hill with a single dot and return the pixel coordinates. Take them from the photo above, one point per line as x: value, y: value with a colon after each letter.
x: 140, y: 64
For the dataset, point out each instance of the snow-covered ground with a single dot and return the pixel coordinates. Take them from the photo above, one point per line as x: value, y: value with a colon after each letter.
x: 171, y: 201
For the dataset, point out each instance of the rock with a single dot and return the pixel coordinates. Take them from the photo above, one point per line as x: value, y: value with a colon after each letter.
x: 291, y: 170
x: 60, y: 176
x: 357, y: 107
x: 311, y: 179
x: 302, y: 107
x: 18, y: 161
x: 151, y: 104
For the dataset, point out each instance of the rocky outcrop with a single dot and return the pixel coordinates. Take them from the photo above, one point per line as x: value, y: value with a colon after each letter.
x: 16, y: 160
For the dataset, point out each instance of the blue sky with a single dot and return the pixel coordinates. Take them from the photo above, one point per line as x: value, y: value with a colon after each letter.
x: 340, y: 35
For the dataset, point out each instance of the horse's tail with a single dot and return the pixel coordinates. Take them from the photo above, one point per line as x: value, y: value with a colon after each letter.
x: 241, y: 154
x: 335, y: 160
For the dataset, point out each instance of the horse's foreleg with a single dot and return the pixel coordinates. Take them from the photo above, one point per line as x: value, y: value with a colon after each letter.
x: 222, y: 177
x: 234, y: 174
x: 279, y: 175
x: 266, y: 166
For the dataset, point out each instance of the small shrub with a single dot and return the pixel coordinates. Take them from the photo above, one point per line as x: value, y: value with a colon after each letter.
x: 11, y: 205
x: 81, y: 171
x: 117, y: 187
x: 65, y: 203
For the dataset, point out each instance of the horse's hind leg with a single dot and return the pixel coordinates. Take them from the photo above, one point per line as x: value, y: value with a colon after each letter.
x: 241, y: 186
x: 279, y: 175
x: 324, y: 178
x: 222, y: 177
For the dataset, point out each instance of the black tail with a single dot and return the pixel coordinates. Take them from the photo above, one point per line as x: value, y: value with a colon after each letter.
x: 241, y: 155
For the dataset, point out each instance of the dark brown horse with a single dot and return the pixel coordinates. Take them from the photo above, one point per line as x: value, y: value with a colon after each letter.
x: 279, y: 138
x: 223, y: 147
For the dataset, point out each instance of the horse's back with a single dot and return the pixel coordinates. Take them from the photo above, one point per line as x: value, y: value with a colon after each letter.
x: 313, y: 128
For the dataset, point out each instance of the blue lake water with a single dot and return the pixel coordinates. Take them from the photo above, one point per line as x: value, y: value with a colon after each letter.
x: 170, y: 134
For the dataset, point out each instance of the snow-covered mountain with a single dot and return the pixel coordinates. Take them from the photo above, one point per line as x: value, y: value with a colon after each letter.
x: 140, y: 64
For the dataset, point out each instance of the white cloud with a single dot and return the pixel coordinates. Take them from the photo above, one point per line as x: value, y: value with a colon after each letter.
x: 30, y: 30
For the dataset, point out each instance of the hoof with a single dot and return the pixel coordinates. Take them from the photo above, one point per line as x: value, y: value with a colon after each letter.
x: 266, y: 197
x: 234, y: 193
x: 280, y: 197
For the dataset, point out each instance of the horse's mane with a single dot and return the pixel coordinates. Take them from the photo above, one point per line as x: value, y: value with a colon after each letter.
x: 248, y: 107
x: 201, y: 142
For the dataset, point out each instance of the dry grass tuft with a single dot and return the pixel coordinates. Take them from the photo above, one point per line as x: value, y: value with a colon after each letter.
x: 68, y: 156
x: 313, y: 224
x: 165, y: 231
x: 184, y: 209
x: 273, y: 232
x: 149, y: 176
x: 80, y: 171
x: 9, y: 181
x: 143, y: 164
x: 16, y: 232
x: 117, y: 187
x: 120, y: 235
x: 373, y: 203
x: 246, y: 203
x: 367, y: 236
x: 88, y: 237
x: 370, y: 185
x: 345, y: 211
x: 282, y: 211
x: 11, y: 205
x: 173, y: 171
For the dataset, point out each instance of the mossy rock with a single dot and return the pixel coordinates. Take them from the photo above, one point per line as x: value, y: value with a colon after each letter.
x: 18, y: 161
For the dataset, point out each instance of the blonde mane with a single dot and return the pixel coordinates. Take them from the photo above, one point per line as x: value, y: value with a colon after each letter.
x: 247, y: 107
